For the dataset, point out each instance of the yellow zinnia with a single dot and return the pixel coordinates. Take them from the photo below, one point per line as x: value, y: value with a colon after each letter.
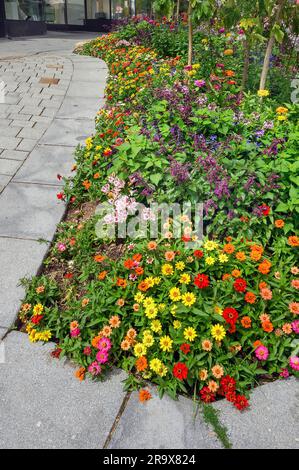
x: 190, y: 333
x: 188, y: 299
x: 156, y: 326
x: 167, y: 269
x: 166, y: 343
x: 185, y: 278
x: 218, y: 332
x: 139, y: 350
x: 263, y: 93
x: 175, y: 294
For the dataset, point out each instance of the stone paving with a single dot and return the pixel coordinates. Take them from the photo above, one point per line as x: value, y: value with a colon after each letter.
x: 51, y: 98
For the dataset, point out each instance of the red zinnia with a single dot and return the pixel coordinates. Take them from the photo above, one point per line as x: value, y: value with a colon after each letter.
x: 265, y: 209
x: 201, y: 281
x: 241, y: 402
x: 180, y: 371
x: 198, y: 253
x: 230, y: 315
x: 228, y: 384
x: 206, y: 395
x: 36, y: 319
x: 185, y: 348
x: 240, y: 285
x: 231, y: 396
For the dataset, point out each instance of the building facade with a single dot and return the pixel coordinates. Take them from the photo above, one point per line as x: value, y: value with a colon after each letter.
x: 30, y: 17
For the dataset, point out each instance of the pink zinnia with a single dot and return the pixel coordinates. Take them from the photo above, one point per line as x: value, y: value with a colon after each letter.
x: 61, y: 247
x: 199, y: 83
x: 295, y: 326
x: 284, y: 373
x: 87, y: 351
x: 102, y: 357
x: 262, y: 353
x: 94, y: 368
x: 75, y: 332
x: 294, y: 363
x: 104, y: 344
x: 266, y: 294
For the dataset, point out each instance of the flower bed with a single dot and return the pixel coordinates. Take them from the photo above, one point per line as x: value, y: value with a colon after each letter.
x: 211, y: 320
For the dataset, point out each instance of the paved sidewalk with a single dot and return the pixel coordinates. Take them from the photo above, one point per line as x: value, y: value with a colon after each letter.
x: 51, y: 98
x: 48, y: 108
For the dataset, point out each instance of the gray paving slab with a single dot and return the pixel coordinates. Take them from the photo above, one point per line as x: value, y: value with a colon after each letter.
x: 67, y: 132
x: 3, y: 332
x: 19, y: 258
x: 30, y: 211
x: 162, y: 424
x: 26, y: 145
x: 271, y: 422
x: 4, y: 180
x: 84, y: 89
x: 14, y: 155
x: 44, y: 164
x: 79, y: 108
x: 9, y: 167
x: 44, y: 406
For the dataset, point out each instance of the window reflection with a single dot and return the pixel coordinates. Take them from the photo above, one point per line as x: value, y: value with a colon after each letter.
x: 98, y: 9
x: 55, y: 11
x: 26, y: 10
x: 75, y: 11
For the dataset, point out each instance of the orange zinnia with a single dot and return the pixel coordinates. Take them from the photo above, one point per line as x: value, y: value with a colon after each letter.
x: 250, y: 297
x: 144, y: 395
x: 240, y: 255
x: 141, y: 363
x: 263, y: 285
x: 236, y: 273
x: 279, y: 223
x: 121, y: 282
x: 267, y: 326
x: 86, y: 184
x: 246, y: 322
x: 102, y: 275
x: 229, y: 248
x: 114, y: 321
x: 257, y: 343
x: 293, y: 241
x: 264, y: 267
x: 137, y: 257
x: 225, y: 277
x: 143, y: 286
x: 99, y: 258
x: 139, y: 271
x: 80, y: 373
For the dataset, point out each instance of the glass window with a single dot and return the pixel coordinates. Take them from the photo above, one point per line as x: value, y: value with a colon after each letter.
x: 98, y: 9
x: 55, y: 11
x: 120, y: 9
x: 29, y: 10
x: 75, y: 11
x: 143, y: 7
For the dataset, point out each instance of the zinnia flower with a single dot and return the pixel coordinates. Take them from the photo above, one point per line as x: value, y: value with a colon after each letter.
x: 218, y: 332
x: 94, y: 368
x: 294, y: 307
x: 206, y: 395
x: 144, y: 395
x: 294, y: 363
x: 262, y: 353
x: 180, y: 371
x: 201, y: 281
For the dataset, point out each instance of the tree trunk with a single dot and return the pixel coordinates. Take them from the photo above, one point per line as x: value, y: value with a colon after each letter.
x: 190, y: 34
x: 270, y: 45
x: 246, y: 64
x: 177, y: 10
